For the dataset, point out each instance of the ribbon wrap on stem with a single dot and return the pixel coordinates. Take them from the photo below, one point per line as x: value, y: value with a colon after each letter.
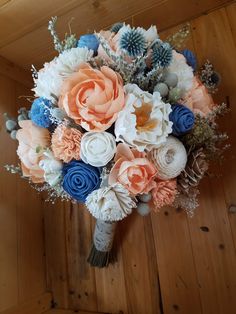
x: 101, y: 253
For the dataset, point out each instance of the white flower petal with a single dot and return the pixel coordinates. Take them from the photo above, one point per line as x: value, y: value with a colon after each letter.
x: 170, y: 159
x: 97, y: 148
x: 126, y: 124
x: 112, y: 203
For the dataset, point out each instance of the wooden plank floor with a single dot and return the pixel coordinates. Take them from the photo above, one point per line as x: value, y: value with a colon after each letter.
x: 167, y: 263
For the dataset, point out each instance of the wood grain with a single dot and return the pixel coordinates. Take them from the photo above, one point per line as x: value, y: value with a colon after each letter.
x: 15, y: 73
x: 37, y: 305
x: 30, y: 32
x: 56, y: 259
x: 81, y: 277
x: 8, y: 204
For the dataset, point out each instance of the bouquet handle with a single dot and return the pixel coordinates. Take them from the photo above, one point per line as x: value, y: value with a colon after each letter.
x: 102, y: 254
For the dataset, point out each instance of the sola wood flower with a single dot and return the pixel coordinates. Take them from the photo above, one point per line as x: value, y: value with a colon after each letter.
x: 97, y: 148
x: 50, y: 78
x: 144, y: 122
x: 110, y: 203
x: 133, y: 170
x: 66, y: 143
x: 164, y: 193
x: 198, y: 99
x: 170, y: 159
x: 93, y: 98
x: 52, y: 168
x: 32, y: 139
x: 183, y: 71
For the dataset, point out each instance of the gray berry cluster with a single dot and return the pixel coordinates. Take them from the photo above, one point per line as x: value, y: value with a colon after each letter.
x: 168, y: 88
x: 12, y: 124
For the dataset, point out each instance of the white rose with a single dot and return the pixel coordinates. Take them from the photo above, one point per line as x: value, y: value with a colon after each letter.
x: 170, y: 159
x: 97, y: 148
x: 52, y: 168
x: 144, y: 122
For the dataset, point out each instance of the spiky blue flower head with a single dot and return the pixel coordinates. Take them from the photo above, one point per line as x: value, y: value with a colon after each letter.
x: 40, y: 113
x: 89, y: 41
x: 162, y: 54
x: 190, y: 58
x: 132, y: 41
x: 116, y: 27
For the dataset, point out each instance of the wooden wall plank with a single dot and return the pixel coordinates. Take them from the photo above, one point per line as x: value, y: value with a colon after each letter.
x: 110, y: 284
x: 20, y: 17
x: 34, y: 40
x: 141, y: 297
x: 56, y: 260
x: 8, y: 209
x: 37, y: 305
x: 178, y: 278
x: 53, y: 311
x: 15, y: 73
x: 175, y: 12
x: 31, y: 260
x: 230, y: 169
x: 81, y: 277
x: 217, y: 261
x: 89, y: 16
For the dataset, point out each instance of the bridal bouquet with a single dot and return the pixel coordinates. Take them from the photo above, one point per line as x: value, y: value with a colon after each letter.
x: 120, y: 120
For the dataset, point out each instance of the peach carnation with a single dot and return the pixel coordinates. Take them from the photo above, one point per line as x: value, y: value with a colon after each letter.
x: 32, y: 139
x: 66, y: 143
x: 93, y: 98
x: 164, y: 193
x: 198, y: 98
x: 133, y: 170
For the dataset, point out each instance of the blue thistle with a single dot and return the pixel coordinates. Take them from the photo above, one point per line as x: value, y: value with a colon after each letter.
x: 190, y: 58
x: 133, y: 42
x: 116, y: 27
x: 40, y: 113
x: 162, y: 54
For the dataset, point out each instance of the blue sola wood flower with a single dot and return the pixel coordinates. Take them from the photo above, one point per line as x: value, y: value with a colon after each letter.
x: 40, y: 113
x: 80, y: 179
x: 132, y: 41
x: 190, y: 58
x: 182, y: 118
x: 89, y: 41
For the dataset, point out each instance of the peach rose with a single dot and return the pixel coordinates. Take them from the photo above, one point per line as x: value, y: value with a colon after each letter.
x: 164, y: 193
x: 93, y: 98
x: 198, y: 99
x: 66, y: 143
x: 133, y: 170
x: 112, y: 40
x: 30, y: 138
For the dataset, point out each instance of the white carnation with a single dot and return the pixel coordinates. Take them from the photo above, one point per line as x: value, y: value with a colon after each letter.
x: 52, y: 168
x: 144, y: 122
x: 182, y: 70
x: 97, y: 148
x: 52, y: 75
x: 112, y: 203
x: 170, y: 159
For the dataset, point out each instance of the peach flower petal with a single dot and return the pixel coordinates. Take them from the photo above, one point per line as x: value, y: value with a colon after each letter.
x: 30, y: 137
x: 66, y: 143
x: 198, y: 99
x: 164, y: 193
x: 133, y: 170
x: 93, y: 98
